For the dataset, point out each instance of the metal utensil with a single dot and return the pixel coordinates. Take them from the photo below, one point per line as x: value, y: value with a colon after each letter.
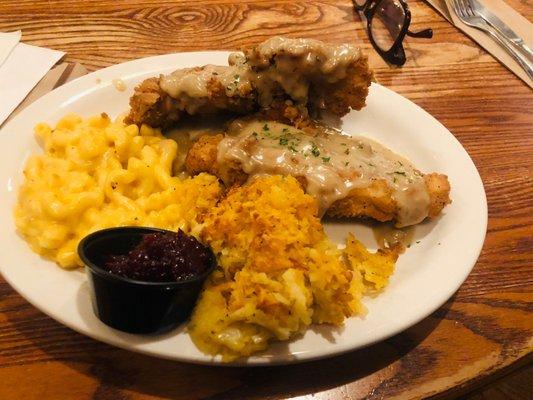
x: 499, y: 25
x: 466, y: 14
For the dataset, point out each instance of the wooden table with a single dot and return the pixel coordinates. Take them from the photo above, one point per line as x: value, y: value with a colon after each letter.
x: 485, y: 330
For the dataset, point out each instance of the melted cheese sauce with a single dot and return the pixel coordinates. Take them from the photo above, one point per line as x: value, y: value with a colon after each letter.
x: 332, y: 164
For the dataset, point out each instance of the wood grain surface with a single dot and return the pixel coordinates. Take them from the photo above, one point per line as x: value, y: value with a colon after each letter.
x: 483, y: 332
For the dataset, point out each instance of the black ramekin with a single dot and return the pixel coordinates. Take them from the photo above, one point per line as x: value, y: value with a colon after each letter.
x: 130, y: 305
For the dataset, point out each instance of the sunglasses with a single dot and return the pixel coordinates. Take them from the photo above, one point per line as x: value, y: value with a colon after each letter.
x: 387, y: 25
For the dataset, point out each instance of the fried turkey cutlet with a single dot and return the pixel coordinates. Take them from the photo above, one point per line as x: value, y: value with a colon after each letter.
x: 350, y: 176
x: 279, y: 85
x: 286, y: 77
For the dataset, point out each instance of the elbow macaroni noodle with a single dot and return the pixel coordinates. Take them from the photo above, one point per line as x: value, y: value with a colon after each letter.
x: 96, y: 174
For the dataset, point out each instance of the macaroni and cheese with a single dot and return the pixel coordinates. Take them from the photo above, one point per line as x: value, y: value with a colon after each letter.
x: 95, y: 174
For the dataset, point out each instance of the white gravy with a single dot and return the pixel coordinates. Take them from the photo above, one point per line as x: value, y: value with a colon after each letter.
x: 293, y: 63
x: 290, y: 63
x: 331, y: 163
x: 192, y: 84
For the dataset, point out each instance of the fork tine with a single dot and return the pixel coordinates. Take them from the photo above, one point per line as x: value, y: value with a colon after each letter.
x: 463, y: 8
x: 471, y: 13
x: 469, y: 8
x: 458, y: 9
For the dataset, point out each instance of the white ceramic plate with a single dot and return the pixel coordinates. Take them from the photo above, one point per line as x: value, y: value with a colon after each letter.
x: 426, y: 275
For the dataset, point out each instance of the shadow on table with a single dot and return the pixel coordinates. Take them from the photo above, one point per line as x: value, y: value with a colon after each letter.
x: 119, y: 370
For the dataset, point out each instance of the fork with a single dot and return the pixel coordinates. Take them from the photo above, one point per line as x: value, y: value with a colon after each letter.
x: 466, y: 13
x: 503, y: 29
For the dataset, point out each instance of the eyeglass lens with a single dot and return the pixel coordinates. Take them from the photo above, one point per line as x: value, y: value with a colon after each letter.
x: 387, y: 23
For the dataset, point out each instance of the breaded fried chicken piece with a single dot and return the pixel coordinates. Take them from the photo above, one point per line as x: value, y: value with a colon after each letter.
x: 288, y: 76
x: 439, y: 192
x: 152, y: 105
x: 202, y: 157
x: 375, y: 201
x: 311, y: 73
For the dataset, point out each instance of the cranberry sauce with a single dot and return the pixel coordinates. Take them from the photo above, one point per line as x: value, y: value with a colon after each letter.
x: 163, y: 257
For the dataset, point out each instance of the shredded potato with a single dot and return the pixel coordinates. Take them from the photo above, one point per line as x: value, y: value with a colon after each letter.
x: 97, y: 174
x: 375, y: 268
x: 278, y: 272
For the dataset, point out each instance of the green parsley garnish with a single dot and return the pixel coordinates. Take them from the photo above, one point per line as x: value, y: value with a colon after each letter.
x: 315, y: 151
x: 283, y: 141
x: 326, y: 159
x: 347, y: 151
x: 400, y: 172
x: 265, y: 127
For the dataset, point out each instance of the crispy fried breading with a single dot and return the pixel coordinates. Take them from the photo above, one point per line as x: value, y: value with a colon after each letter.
x: 319, y: 76
x: 439, y: 192
x: 351, y: 92
x: 202, y: 157
x: 375, y: 201
x: 261, y: 84
x: 152, y: 106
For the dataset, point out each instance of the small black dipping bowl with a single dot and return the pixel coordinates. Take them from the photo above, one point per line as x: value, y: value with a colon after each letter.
x: 130, y: 305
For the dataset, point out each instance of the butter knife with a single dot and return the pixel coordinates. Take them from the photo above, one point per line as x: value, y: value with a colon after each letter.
x: 500, y: 26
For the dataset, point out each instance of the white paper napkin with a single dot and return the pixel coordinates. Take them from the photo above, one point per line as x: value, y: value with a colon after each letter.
x: 8, y: 41
x: 24, y: 66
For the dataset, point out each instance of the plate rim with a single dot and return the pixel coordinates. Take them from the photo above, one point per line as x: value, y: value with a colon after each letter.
x: 207, y: 360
